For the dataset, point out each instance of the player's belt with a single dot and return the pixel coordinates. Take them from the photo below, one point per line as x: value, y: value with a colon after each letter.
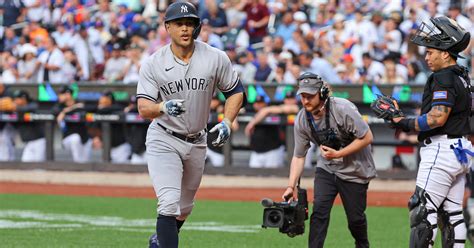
x: 428, y: 140
x: 187, y: 138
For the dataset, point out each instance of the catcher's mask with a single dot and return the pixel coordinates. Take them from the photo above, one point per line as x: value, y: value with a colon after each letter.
x: 183, y: 9
x: 443, y: 34
x: 311, y: 83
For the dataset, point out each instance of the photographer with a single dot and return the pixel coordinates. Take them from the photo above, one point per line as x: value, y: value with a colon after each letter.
x: 345, y: 165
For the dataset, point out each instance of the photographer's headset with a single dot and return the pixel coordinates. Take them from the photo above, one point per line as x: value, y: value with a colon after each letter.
x: 323, y: 90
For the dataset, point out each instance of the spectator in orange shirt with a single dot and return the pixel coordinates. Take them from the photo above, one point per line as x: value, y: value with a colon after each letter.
x: 37, y: 32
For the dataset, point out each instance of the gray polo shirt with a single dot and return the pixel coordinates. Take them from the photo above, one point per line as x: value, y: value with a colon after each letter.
x: 358, y: 167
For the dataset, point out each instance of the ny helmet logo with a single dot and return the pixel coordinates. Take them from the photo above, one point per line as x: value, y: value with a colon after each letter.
x: 184, y: 8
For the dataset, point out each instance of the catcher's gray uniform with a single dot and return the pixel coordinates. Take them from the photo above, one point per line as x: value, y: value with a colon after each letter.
x: 176, y: 146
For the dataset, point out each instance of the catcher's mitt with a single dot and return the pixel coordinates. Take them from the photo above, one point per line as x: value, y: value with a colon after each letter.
x: 386, y: 107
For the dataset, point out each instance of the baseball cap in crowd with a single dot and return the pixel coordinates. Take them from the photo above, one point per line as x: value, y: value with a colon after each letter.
x: 109, y: 94
x: 339, y: 17
x: 260, y: 98
x: 27, y: 48
x: 309, y: 83
x: 340, y: 68
x: 116, y: 46
x: 347, y: 58
x: 21, y: 94
x: 290, y: 94
x: 65, y: 89
x: 299, y: 16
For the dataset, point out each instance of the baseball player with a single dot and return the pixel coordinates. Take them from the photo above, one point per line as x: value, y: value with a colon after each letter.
x: 135, y: 134
x: 120, y: 150
x: 442, y: 125
x: 175, y: 89
x: 32, y: 134
x: 75, y: 136
x: 345, y: 164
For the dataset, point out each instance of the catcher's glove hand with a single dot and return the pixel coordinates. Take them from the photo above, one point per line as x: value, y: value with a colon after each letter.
x: 386, y: 107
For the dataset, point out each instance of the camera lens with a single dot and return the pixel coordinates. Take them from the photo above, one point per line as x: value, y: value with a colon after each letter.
x: 274, y: 217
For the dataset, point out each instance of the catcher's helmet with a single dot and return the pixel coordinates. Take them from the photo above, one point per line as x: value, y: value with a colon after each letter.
x: 445, y: 34
x: 183, y: 9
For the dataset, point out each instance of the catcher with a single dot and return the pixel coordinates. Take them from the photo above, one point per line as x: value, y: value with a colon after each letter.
x: 442, y: 126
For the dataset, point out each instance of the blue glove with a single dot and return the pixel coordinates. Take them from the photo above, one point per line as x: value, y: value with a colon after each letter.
x: 224, y: 132
x: 174, y: 107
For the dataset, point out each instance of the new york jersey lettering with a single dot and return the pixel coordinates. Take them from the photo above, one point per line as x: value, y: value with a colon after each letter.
x: 187, y: 84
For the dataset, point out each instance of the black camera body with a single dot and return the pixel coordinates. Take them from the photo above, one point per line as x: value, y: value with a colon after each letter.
x: 289, y: 217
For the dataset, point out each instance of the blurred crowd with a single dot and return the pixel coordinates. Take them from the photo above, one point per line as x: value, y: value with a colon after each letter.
x: 105, y: 41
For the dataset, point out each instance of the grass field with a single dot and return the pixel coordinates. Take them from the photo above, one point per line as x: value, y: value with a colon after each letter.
x: 66, y: 221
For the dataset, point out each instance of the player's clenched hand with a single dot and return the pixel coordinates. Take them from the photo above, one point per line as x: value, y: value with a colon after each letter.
x: 224, y: 132
x: 174, y: 107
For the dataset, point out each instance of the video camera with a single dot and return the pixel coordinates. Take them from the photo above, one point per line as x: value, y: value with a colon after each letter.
x: 289, y: 217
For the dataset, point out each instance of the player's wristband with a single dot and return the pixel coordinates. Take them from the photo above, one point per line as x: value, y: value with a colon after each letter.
x: 160, y: 107
x: 406, y: 124
x: 227, y: 121
x: 423, y: 123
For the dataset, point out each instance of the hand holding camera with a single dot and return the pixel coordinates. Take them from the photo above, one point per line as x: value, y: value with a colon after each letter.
x: 289, y: 215
x: 288, y: 194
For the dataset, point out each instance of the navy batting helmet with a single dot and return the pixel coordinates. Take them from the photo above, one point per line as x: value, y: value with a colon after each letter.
x: 445, y: 34
x: 183, y: 9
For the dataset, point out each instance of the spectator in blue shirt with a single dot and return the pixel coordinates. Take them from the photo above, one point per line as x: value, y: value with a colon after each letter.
x: 216, y: 18
x: 263, y: 69
x: 286, y: 27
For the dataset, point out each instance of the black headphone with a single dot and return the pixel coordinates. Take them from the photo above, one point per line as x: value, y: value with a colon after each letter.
x: 323, y: 91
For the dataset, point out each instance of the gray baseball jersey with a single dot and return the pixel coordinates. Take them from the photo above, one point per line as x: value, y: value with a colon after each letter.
x: 176, y: 166
x: 164, y: 77
x: 358, y: 167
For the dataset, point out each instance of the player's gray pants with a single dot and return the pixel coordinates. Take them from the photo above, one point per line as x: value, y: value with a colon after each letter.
x: 34, y: 151
x: 175, y: 168
x: 81, y: 153
x: 442, y: 176
x: 7, y: 149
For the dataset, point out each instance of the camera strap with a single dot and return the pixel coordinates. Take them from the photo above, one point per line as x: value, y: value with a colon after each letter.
x: 314, y: 126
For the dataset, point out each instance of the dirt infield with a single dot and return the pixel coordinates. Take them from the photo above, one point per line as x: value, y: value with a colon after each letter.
x: 375, y: 198
x: 216, y: 187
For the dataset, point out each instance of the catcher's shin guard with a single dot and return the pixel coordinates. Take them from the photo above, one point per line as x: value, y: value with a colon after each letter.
x: 421, y: 233
x: 448, y: 233
x: 469, y: 217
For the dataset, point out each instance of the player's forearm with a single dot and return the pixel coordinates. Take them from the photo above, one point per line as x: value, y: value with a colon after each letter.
x: 296, y: 168
x: 233, y: 105
x: 148, y: 109
x: 357, y: 144
x: 436, y: 117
